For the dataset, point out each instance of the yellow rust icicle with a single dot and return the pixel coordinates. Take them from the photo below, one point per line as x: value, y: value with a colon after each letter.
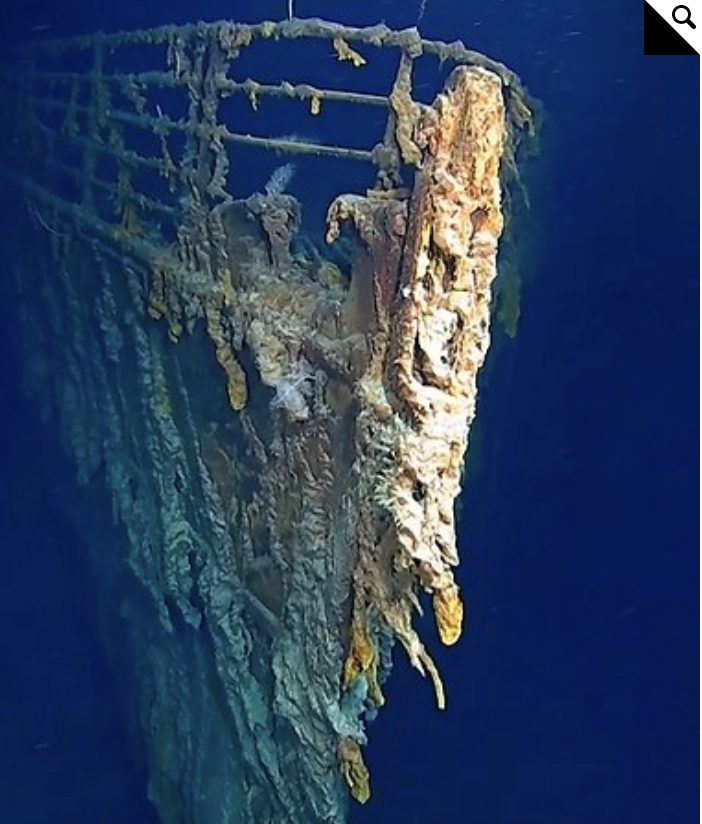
x: 448, y: 612
x: 236, y: 377
x: 360, y: 655
x: 345, y: 52
x: 354, y: 769
x: 362, y: 660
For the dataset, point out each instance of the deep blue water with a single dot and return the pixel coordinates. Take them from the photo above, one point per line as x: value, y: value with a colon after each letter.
x: 573, y: 696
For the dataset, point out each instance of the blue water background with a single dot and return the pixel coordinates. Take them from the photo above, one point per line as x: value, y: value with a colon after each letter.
x: 573, y: 697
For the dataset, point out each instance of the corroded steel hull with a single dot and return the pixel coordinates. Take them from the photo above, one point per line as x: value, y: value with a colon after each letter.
x: 280, y: 428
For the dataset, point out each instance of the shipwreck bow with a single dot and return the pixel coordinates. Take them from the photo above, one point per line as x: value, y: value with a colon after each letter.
x: 279, y: 423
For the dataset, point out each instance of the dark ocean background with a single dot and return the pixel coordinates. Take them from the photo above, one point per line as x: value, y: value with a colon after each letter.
x: 573, y: 696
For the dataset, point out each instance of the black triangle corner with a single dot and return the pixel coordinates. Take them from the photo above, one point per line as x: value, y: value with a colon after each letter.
x: 660, y: 37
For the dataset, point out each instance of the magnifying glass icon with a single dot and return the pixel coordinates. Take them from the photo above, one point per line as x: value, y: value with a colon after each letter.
x: 685, y: 17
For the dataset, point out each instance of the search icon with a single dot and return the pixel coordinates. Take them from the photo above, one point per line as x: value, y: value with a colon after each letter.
x: 686, y: 17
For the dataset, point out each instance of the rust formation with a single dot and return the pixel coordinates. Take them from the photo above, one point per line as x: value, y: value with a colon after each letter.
x: 280, y: 425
